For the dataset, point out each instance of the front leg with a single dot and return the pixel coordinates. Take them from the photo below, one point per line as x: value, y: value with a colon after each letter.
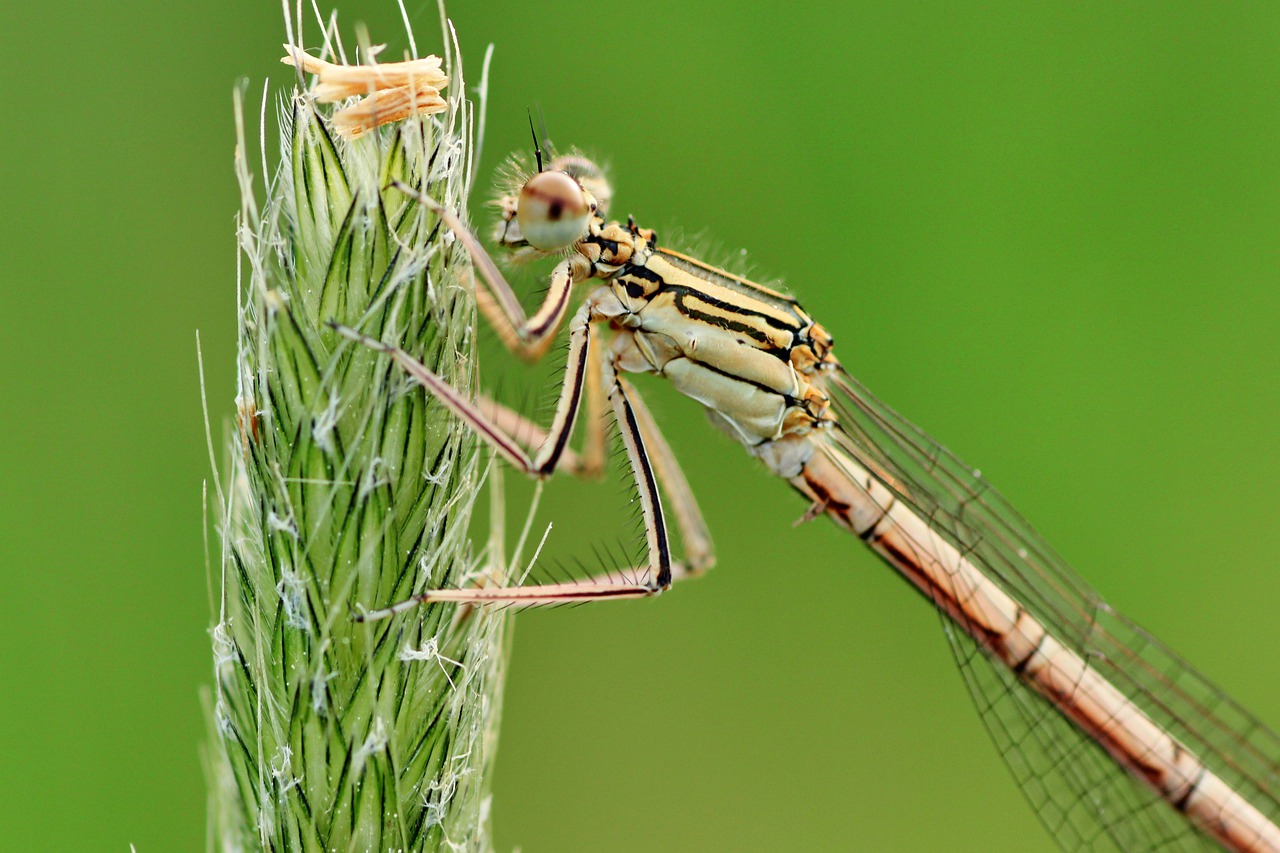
x: 588, y: 465
x: 526, y: 336
x: 638, y: 582
x: 544, y: 461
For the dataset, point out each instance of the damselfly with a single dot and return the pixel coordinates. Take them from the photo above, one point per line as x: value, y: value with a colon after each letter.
x: 1115, y: 740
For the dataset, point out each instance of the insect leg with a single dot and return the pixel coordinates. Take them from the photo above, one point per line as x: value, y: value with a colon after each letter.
x: 544, y: 462
x: 526, y: 336
x: 590, y: 463
x: 699, y: 550
x: 657, y: 576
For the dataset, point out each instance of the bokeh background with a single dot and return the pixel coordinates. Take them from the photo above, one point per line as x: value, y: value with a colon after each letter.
x: 1047, y: 232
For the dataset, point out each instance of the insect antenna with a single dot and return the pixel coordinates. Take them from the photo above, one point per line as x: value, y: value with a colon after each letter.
x: 537, y: 149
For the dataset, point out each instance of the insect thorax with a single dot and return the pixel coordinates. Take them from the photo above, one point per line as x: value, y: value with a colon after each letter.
x: 749, y: 354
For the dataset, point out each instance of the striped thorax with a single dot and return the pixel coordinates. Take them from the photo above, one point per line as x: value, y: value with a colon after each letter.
x: 751, y: 355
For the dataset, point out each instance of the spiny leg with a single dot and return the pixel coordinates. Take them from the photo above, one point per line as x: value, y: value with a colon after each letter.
x: 699, y: 552
x: 526, y: 336
x: 590, y: 463
x: 549, y: 454
x: 594, y: 443
x: 660, y: 569
x: 530, y: 434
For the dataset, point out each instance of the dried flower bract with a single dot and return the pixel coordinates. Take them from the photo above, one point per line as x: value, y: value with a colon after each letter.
x: 388, y: 92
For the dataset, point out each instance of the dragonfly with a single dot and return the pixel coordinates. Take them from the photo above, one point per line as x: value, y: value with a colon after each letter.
x: 1116, y: 742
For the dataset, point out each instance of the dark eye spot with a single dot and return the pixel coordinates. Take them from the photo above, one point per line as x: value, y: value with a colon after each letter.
x: 555, y: 210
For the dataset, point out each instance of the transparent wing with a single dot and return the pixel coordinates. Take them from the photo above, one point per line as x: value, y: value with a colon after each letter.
x: 1085, y: 800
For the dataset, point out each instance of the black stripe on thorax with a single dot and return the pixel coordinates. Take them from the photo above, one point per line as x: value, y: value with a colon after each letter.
x: 765, y: 342
x: 634, y: 289
x: 795, y: 325
x: 641, y: 271
x: 791, y: 402
x: 680, y: 292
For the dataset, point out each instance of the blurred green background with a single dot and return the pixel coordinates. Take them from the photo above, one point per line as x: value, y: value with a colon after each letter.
x: 1045, y: 232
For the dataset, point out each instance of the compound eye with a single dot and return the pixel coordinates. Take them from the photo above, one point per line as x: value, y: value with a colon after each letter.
x: 553, y: 211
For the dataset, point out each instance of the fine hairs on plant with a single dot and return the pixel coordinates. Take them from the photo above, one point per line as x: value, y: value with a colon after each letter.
x: 345, y: 486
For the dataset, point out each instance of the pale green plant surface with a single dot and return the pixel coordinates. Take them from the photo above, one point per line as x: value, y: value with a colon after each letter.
x: 348, y: 488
